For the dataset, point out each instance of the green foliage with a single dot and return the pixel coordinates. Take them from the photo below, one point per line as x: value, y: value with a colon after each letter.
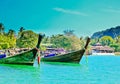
x: 109, y: 41
x: 46, y: 40
x: 21, y: 29
x: 117, y: 39
x: 28, y: 39
x: 118, y: 49
x: 113, y: 32
x: 0, y: 47
x: 11, y: 33
x: 106, y: 40
x: 4, y: 45
x: 12, y: 42
x: 69, y: 32
x: 42, y: 48
x: 1, y: 28
x: 115, y: 46
x: 7, y: 42
x: 63, y: 41
x: 94, y: 41
x: 76, y: 43
x: 20, y: 32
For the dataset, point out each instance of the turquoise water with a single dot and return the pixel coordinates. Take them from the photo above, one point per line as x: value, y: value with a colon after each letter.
x: 91, y: 70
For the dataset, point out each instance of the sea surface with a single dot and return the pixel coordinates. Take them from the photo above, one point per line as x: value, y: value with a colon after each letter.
x: 91, y: 70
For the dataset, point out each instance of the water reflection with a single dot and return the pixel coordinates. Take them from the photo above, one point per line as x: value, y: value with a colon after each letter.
x: 95, y: 71
x: 19, y: 74
x: 61, y: 63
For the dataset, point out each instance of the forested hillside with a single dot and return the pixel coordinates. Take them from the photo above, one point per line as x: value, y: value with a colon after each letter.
x: 113, y: 32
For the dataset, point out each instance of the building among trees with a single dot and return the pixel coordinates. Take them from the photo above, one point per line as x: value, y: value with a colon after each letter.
x: 98, y: 49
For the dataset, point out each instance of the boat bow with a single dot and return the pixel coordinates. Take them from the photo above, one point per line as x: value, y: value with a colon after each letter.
x: 26, y: 58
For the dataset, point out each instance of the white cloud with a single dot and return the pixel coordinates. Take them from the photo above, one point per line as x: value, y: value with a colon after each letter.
x: 111, y: 10
x: 69, y: 11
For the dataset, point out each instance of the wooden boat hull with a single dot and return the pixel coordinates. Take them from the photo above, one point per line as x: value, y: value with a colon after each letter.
x: 73, y: 57
x: 68, y: 57
x: 25, y: 58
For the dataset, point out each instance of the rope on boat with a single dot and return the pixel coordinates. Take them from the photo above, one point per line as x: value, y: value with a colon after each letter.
x: 86, y: 57
x: 38, y: 55
x: 86, y: 49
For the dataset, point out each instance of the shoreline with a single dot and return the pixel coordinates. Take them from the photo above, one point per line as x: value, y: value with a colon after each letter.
x: 117, y: 53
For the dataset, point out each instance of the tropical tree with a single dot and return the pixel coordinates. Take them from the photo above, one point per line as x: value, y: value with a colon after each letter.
x: 69, y: 32
x: 77, y: 43
x: 94, y: 41
x: 0, y: 47
x: 11, y: 33
x: 1, y: 28
x: 67, y: 42
x: 118, y: 49
x: 7, y: 42
x: 12, y: 41
x: 4, y: 45
x: 117, y: 39
x: 106, y: 40
x: 21, y: 30
x: 115, y: 46
x: 46, y: 40
x: 28, y: 39
x: 61, y: 41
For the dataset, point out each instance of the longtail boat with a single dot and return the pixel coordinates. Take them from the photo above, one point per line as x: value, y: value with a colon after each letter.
x: 73, y: 57
x: 24, y: 58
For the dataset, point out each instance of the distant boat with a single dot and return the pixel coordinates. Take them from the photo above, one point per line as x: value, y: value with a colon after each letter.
x: 73, y: 57
x: 26, y: 57
x: 98, y: 49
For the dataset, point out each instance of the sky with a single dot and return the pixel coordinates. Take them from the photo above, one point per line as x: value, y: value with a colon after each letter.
x: 52, y: 17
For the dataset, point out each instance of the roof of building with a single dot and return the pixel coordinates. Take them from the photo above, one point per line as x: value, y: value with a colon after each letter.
x: 98, y: 46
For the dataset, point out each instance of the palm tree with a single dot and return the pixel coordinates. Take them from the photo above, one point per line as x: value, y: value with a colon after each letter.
x: 117, y: 39
x: 11, y: 33
x: 20, y: 34
x: 21, y: 29
x: 69, y: 32
x: 1, y: 28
